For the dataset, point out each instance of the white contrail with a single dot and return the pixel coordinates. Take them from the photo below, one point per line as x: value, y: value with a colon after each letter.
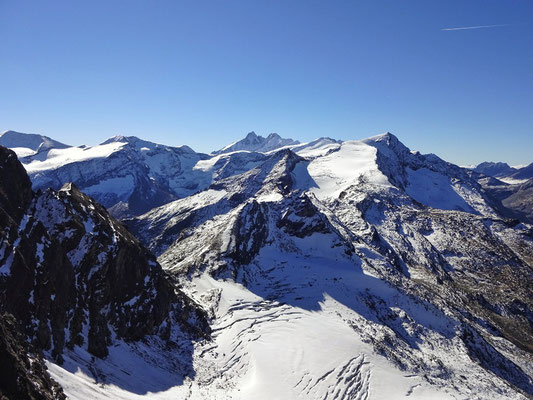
x: 473, y: 27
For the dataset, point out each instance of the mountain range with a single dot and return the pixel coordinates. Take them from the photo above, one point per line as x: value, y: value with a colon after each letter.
x: 283, y: 270
x: 258, y: 143
x: 511, y: 186
x: 504, y: 171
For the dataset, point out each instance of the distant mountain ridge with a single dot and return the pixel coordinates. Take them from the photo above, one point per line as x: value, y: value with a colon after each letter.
x: 257, y: 143
x: 503, y: 170
x: 495, y: 169
x: 130, y: 176
x: 26, y: 144
x: 127, y: 175
x: 512, y: 187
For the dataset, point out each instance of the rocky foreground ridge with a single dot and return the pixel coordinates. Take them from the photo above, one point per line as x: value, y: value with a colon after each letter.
x: 74, y: 277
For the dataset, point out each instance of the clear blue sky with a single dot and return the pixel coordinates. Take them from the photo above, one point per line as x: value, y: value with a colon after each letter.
x: 204, y: 73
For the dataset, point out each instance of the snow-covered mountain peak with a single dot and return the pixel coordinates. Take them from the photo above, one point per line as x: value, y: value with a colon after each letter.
x: 134, y: 141
x: 384, y: 162
x: 143, y: 145
x: 70, y: 189
x: 258, y: 143
x: 26, y: 144
x: 387, y: 143
x: 386, y: 137
x: 119, y: 138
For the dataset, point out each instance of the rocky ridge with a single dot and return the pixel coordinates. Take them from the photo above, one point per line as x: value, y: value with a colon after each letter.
x: 61, y: 257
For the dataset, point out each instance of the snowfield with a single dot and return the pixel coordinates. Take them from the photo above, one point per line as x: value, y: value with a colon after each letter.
x: 261, y: 350
x: 343, y: 167
x: 56, y: 158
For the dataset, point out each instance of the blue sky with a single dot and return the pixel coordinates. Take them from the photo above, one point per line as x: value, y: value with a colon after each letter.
x: 204, y: 73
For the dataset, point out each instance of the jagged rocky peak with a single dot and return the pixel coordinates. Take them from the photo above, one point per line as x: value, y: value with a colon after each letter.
x: 257, y: 143
x: 427, y: 178
x: 392, y: 157
x: 59, y: 269
x: 252, y: 138
x: 388, y: 145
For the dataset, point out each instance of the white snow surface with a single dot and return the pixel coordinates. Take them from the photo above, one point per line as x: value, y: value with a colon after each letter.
x: 337, y: 170
x: 435, y: 190
x: 58, y: 157
x: 23, y: 151
x: 261, y: 350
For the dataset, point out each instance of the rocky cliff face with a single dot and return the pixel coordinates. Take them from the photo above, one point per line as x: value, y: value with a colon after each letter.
x: 74, y: 276
x: 23, y: 374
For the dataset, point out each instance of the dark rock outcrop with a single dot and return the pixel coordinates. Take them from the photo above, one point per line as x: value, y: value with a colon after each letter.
x: 22, y: 372
x: 15, y: 188
x: 72, y: 275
